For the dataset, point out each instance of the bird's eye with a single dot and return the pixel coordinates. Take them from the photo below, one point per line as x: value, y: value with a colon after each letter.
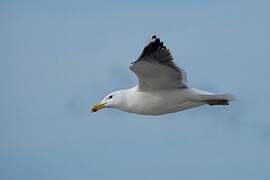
x: 110, y: 97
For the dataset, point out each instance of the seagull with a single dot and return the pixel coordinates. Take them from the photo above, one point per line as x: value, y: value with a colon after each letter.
x: 162, y: 86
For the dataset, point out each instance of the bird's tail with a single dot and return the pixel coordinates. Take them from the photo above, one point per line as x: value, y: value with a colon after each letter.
x: 217, y: 99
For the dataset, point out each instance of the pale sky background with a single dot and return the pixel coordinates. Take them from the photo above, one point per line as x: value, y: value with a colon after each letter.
x: 59, y: 57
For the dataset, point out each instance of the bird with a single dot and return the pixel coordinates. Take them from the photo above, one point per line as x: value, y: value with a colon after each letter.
x: 162, y: 86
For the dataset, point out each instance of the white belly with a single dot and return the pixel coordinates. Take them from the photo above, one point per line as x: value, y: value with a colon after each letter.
x: 161, y: 102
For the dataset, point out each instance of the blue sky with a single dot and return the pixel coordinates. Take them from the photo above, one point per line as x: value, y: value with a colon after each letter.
x: 59, y: 57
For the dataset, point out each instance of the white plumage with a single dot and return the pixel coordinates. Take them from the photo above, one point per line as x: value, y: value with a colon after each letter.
x: 162, y: 86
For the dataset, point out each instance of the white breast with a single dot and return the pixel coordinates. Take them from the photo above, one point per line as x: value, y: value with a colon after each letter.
x: 160, y: 102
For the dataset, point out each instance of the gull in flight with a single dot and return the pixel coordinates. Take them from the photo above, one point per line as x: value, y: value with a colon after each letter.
x: 162, y: 86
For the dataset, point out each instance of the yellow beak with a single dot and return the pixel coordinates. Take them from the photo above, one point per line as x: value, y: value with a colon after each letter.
x: 98, y: 107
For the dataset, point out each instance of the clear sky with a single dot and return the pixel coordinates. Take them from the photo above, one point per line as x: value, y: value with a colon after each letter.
x: 59, y: 57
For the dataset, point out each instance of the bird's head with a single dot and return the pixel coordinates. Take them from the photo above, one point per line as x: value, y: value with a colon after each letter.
x: 110, y: 101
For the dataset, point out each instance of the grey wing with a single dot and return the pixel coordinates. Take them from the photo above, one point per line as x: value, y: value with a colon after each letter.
x: 155, y: 68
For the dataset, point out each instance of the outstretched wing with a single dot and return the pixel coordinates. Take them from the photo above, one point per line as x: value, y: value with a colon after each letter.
x: 156, y: 70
